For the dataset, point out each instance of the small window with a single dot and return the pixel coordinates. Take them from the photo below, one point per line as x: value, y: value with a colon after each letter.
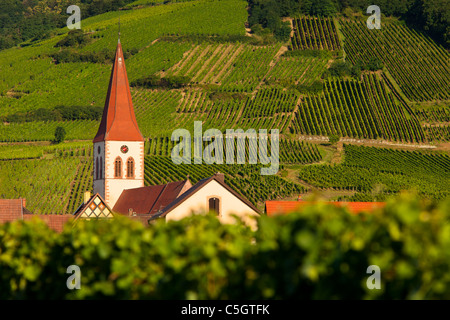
x: 101, y: 168
x: 118, y: 168
x: 214, y: 205
x: 96, y: 169
x: 130, y: 168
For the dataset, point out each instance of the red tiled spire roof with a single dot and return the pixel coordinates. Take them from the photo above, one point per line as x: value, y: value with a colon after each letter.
x: 118, y: 120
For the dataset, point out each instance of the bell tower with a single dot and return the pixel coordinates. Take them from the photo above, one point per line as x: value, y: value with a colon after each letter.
x: 118, y: 144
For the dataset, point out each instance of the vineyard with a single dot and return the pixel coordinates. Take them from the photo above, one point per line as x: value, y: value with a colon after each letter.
x: 232, y: 67
x: 53, y: 186
x: 291, y: 152
x: 418, y: 65
x: 360, y: 109
x: 296, y: 70
x: 20, y: 151
x: 374, y: 170
x: 315, y: 33
x: 45, y: 131
x: 234, y: 80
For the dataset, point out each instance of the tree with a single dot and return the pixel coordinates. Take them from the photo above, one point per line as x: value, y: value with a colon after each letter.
x: 334, y: 138
x: 60, y: 134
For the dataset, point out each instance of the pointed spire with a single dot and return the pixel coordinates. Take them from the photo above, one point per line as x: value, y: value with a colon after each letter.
x: 119, y: 29
x: 118, y: 120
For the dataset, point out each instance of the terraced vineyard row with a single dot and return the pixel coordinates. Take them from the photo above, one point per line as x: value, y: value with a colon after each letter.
x: 291, y: 152
x: 45, y: 131
x: 373, y: 170
x: 83, y: 182
x: 22, y: 151
x: 297, y: 70
x: 42, y: 84
x: 361, y: 109
x: 141, y: 27
x: 155, y: 110
x: 417, y: 64
x: 44, y: 183
x: 315, y: 33
x: 156, y: 58
x: 437, y: 133
x: 234, y: 67
x: 269, y: 109
x: 245, y: 179
x: 398, y: 161
x: 433, y: 115
x: 269, y: 102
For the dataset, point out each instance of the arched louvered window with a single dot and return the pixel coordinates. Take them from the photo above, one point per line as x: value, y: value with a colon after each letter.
x: 118, y: 168
x: 96, y: 169
x: 214, y: 205
x: 130, y: 168
x: 101, y: 168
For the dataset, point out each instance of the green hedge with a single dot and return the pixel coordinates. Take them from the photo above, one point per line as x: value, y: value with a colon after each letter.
x: 320, y: 253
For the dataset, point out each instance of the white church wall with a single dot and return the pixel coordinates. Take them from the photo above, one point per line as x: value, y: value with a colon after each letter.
x: 115, y: 186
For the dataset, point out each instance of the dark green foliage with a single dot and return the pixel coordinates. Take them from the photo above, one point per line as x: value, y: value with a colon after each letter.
x: 153, y: 81
x: 32, y: 19
x: 314, y: 88
x: 339, y: 69
x: 308, y: 53
x: 57, y: 114
x: 343, y: 69
x: 374, y: 64
x: 69, y: 55
x: 322, y: 8
x: 60, y: 134
x: 104, y: 56
x: 283, y: 32
x: 334, y: 138
x: 79, y: 112
x: 322, y: 252
x: 74, y: 38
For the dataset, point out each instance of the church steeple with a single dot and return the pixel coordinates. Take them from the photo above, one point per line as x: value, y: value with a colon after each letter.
x: 118, y: 120
x: 118, y: 145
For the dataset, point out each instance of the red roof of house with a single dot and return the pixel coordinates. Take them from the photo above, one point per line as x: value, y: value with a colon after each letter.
x: 11, y: 209
x: 54, y: 221
x: 284, y: 207
x: 14, y: 209
x: 118, y: 120
x: 149, y: 200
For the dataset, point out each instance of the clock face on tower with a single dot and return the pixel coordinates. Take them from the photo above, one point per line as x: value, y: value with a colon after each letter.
x: 124, y: 149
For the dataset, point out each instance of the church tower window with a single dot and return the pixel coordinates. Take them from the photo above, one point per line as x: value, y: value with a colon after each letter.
x: 118, y: 168
x: 130, y: 168
x: 101, y: 168
x: 96, y: 168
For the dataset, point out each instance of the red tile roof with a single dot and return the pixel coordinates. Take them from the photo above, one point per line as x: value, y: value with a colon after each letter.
x: 118, y: 120
x: 149, y: 200
x: 11, y: 209
x: 284, y: 207
x: 54, y: 221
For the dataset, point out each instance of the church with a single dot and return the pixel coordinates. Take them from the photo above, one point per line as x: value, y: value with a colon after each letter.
x: 119, y: 171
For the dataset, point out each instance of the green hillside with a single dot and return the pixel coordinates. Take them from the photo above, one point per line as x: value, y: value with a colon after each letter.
x: 331, y: 78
